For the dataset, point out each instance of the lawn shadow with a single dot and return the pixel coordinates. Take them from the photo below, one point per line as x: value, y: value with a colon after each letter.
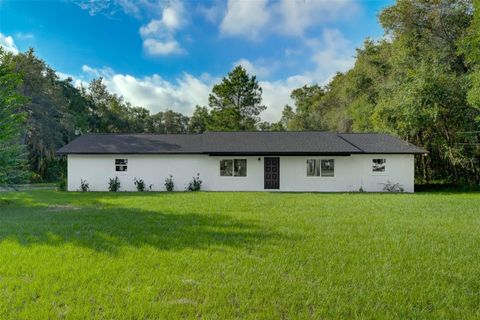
x: 107, y: 228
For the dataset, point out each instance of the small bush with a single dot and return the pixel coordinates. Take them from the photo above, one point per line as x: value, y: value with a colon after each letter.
x: 84, y: 186
x: 140, y: 184
x: 62, y: 185
x: 169, y: 185
x: 392, y: 187
x: 114, y: 185
x: 195, y: 184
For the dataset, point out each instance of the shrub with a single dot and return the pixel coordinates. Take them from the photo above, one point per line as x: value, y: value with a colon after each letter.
x: 140, y: 184
x: 392, y: 187
x: 84, y: 186
x: 62, y: 185
x: 169, y: 185
x: 114, y: 185
x: 195, y: 184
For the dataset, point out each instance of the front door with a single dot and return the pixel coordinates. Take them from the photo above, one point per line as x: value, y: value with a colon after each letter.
x: 271, y: 172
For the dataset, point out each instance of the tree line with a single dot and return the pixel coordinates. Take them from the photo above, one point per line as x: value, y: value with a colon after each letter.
x: 421, y: 82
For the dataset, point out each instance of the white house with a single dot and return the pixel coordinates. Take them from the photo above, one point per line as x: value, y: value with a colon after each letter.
x: 243, y: 161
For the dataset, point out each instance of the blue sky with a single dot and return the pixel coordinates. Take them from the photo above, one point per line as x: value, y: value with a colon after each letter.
x: 168, y: 54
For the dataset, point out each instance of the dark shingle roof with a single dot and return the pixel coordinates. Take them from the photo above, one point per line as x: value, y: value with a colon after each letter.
x: 134, y: 144
x: 275, y: 142
x: 380, y: 143
x: 308, y: 142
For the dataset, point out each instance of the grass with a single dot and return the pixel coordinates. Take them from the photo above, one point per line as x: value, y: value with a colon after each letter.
x: 239, y: 255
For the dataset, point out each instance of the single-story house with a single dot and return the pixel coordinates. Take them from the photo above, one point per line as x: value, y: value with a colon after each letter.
x: 243, y: 161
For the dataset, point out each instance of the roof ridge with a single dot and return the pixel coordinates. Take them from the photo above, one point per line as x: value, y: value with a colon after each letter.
x: 350, y: 143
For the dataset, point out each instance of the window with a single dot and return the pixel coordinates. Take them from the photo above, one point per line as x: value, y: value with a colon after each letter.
x: 318, y: 167
x: 328, y: 168
x: 121, y: 165
x: 233, y: 167
x: 240, y: 167
x: 378, y: 165
x: 313, y: 167
x: 226, y: 168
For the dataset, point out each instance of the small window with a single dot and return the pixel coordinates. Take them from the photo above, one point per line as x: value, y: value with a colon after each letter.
x: 313, y: 167
x: 226, y: 168
x: 318, y: 167
x: 328, y: 168
x: 233, y: 167
x: 240, y: 167
x: 121, y: 165
x: 378, y: 165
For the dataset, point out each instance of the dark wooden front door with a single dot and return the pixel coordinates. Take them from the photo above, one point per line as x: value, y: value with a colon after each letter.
x: 272, y: 172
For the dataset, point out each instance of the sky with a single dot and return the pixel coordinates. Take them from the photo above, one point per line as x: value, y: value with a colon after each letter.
x: 167, y: 54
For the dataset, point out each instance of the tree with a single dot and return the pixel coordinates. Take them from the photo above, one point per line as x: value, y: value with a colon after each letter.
x: 46, y: 112
x: 287, y: 117
x: 175, y: 122
x: 236, y: 102
x: 422, y: 84
x: 307, y: 101
x: 425, y: 98
x: 167, y: 122
x: 109, y: 112
x: 12, y: 159
x: 199, y: 120
x: 470, y: 48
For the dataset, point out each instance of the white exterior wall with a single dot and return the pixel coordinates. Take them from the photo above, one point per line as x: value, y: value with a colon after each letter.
x: 351, y: 172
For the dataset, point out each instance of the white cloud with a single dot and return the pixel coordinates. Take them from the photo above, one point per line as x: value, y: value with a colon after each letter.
x: 104, y: 72
x: 136, y: 8
x: 130, y: 7
x: 298, y: 15
x: 256, y: 70
x: 252, y: 19
x: 159, y: 34
x: 158, y: 94
x: 8, y: 44
x: 276, y: 94
x: 334, y: 53
x: 173, y: 16
x: 159, y: 47
x: 214, y: 12
x: 94, y: 7
x: 245, y: 18
x: 154, y: 92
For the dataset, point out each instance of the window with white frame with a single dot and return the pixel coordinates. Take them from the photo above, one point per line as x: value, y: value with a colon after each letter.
x: 328, y: 167
x: 313, y: 167
x: 378, y: 165
x: 121, y: 165
x: 320, y: 167
x: 233, y: 167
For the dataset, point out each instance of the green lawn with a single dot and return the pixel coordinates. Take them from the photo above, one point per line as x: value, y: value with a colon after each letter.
x: 239, y: 255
